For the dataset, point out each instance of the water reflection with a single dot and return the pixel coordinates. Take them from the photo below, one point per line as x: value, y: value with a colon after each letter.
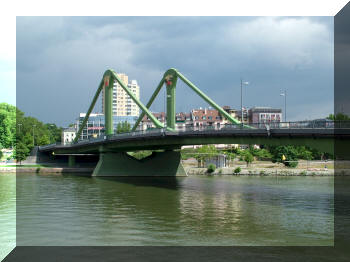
x: 7, y: 213
x: 71, y: 210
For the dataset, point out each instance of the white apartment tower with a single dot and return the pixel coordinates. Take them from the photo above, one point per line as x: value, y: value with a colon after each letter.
x: 122, y: 104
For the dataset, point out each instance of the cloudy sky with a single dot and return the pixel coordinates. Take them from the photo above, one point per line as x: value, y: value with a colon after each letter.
x: 60, y: 61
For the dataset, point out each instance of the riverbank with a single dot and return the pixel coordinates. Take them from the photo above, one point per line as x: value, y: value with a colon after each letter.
x: 46, y: 170
x: 267, y: 172
x: 191, y: 171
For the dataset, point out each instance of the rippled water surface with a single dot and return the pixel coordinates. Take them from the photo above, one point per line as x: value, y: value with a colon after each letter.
x: 196, y: 210
x: 7, y: 213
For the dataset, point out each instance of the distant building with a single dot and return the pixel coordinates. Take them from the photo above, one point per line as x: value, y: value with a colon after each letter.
x: 245, y: 115
x: 264, y: 115
x: 146, y: 122
x: 181, y: 120
x: 68, y: 135
x: 206, y: 118
x: 232, y: 112
x: 95, y: 126
x: 218, y: 160
x: 122, y: 104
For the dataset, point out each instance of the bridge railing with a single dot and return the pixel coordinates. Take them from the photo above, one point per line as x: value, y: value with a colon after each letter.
x: 316, y: 124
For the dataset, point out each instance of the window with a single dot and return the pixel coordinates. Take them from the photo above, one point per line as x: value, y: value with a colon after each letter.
x: 210, y: 117
x: 203, y: 117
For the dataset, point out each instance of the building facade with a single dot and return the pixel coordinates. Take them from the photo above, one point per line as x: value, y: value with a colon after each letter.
x: 95, y: 126
x: 68, y: 135
x: 264, y: 115
x: 181, y: 120
x: 122, y: 104
x: 206, y: 118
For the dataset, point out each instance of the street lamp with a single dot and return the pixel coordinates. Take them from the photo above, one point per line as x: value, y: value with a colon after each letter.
x: 33, y: 134
x: 285, y: 104
x: 19, y: 128
x: 242, y: 83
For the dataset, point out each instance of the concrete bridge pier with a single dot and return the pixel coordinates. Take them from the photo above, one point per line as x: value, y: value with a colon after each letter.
x: 71, y: 161
x: 167, y: 163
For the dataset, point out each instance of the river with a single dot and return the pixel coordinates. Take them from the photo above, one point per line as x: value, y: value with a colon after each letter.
x: 7, y: 213
x: 70, y: 210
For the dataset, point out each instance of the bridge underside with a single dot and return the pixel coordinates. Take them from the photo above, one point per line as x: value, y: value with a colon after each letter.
x: 166, y: 163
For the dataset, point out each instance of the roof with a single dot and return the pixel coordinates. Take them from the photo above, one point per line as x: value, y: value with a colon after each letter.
x: 69, y: 129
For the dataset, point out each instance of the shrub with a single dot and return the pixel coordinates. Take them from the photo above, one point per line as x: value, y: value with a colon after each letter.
x: 303, y: 173
x: 262, y: 173
x: 211, y: 168
x: 237, y: 170
x: 220, y: 171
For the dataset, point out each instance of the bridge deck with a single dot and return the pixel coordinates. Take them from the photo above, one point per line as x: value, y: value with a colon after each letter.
x: 161, y: 139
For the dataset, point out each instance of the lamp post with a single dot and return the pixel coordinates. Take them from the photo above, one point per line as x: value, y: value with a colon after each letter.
x: 285, y: 104
x: 33, y: 135
x: 19, y: 128
x: 242, y: 83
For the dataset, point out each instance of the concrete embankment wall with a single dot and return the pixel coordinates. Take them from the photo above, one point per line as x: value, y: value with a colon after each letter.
x: 45, y: 170
x: 267, y: 172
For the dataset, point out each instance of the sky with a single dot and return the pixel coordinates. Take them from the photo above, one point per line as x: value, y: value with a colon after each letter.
x: 60, y: 61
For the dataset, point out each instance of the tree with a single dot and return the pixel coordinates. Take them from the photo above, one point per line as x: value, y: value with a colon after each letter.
x: 338, y: 117
x: 304, y: 153
x: 260, y: 153
x: 289, y: 152
x: 7, y: 125
x: 248, y: 158
x: 21, y: 152
x: 123, y: 127
x: 54, y: 133
x: 203, y: 153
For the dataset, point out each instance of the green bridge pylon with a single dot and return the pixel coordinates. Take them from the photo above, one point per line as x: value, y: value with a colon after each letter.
x: 166, y: 163
x: 169, y: 78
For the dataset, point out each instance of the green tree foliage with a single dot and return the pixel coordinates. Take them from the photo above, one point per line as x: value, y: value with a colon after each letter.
x: 21, y: 152
x: 237, y: 170
x: 7, y: 125
x: 261, y: 154
x: 304, y: 153
x: 204, y: 152
x: 211, y: 168
x: 123, y: 127
x: 248, y: 158
x: 55, y: 132
x: 141, y: 154
x: 290, y: 153
x: 21, y: 132
x: 338, y: 117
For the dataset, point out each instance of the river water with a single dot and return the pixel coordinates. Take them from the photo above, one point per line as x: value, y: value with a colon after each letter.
x: 7, y: 213
x: 66, y: 210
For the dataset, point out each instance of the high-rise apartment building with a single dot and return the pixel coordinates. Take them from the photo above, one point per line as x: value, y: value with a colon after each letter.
x: 122, y: 104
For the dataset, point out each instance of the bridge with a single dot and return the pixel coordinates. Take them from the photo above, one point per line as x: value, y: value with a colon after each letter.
x: 112, y: 148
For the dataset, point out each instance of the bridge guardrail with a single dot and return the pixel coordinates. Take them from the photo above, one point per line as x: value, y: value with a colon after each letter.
x: 316, y: 124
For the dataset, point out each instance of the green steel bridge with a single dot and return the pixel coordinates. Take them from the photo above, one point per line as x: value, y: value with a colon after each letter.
x: 112, y: 149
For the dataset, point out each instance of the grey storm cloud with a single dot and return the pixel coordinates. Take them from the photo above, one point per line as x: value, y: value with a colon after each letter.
x: 341, y: 61
x: 60, y: 61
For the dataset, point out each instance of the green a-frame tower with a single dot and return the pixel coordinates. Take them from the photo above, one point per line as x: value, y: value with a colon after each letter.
x: 109, y: 161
